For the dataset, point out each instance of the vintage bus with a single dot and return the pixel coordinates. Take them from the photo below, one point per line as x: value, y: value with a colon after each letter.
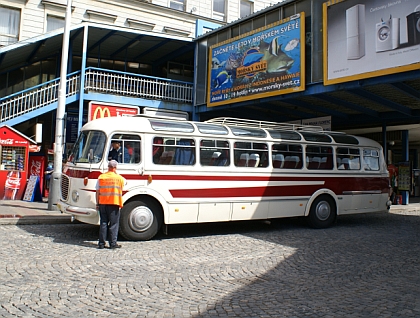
x: 224, y: 169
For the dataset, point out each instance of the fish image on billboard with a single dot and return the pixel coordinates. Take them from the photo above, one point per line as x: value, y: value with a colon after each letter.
x: 291, y: 45
x: 221, y: 79
x: 277, y: 60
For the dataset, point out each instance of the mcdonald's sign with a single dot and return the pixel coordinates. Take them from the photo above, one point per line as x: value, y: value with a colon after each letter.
x: 101, y: 110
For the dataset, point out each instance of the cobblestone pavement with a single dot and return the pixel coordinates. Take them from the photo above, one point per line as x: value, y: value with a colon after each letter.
x: 364, y: 266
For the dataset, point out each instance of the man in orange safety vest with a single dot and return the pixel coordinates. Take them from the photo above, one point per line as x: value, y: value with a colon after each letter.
x: 109, y: 202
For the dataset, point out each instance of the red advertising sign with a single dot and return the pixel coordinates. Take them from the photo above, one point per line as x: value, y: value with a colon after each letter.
x: 14, y: 153
x: 101, y: 110
x: 12, y: 142
x: 37, y: 168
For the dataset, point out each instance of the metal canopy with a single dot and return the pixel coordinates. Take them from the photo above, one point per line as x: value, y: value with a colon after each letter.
x: 103, y: 41
x: 388, y: 100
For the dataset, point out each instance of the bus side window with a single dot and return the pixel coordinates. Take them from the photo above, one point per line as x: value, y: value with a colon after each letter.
x: 259, y: 156
x: 223, y: 159
x: 208, y: 152
x: 319, y: 158
x: 278, y: 154
x: 135, y: 153
x: 125, y: 148
x: 157, y: 149
x: 241, y: 150
x: 293, y: 157
x: 371, y: 159
x: 348, y: 158
x: 184, y: 152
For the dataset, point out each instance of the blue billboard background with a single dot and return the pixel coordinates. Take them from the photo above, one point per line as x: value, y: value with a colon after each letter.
x: 265, y: 62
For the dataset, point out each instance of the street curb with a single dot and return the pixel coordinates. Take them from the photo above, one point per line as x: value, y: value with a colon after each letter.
x: 28, y: 220
x: 412, y: 209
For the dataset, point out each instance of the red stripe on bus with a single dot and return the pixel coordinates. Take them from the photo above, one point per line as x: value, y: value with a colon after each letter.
x: 337, y: 186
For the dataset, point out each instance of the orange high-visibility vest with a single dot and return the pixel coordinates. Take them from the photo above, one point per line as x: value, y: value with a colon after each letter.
x: 110, y: 188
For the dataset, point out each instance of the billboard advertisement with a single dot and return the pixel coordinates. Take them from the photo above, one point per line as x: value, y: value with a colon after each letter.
x: 101, y: 110
x: 370, y: 38
x: 265, y: 62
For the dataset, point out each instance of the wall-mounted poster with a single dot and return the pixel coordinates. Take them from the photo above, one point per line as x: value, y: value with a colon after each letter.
x: 370, y: 38
x: 404, y: 176
x: 264, y: 62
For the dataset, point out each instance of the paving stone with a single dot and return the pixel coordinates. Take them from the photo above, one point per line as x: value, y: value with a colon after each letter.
x: 365, y: 266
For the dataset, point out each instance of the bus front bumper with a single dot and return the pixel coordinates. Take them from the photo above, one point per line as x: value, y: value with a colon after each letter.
x: 76, y: 210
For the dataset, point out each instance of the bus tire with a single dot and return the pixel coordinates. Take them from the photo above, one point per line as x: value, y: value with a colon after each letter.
x: 140, y: 221
x: 323, y: 212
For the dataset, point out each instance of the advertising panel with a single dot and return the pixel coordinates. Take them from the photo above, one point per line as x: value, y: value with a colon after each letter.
x: 101, y: 110
x: 265, y: 62
x: 370, y: 38
x: 14, y: 152
x: 37, y: 169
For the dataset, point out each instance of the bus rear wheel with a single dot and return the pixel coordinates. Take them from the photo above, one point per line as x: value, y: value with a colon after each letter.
x: 323, y: 212
x: 140, y: 221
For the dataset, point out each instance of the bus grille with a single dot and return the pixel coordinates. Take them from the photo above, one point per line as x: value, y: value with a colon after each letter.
x: 65, y: 187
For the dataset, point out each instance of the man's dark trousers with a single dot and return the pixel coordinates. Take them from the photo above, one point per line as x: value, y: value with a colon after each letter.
x: 110, y: 221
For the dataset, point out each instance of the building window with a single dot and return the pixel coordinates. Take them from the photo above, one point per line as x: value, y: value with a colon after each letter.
x: 219, y: 9
x: 9, y: 26
x: 54, y: 23
x: 177, y: 5
x: 246, y: 8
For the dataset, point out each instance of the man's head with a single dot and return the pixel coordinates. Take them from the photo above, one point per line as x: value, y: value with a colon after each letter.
x: 112, y: 164
x: 116, y: 144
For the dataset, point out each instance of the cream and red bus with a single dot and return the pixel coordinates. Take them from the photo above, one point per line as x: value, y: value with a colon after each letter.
x: 224, y: 169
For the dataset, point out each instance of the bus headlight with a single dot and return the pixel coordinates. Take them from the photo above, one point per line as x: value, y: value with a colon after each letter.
x: 75, y: 196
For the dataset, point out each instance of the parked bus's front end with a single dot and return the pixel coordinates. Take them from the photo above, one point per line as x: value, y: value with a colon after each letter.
x: 80, y: 174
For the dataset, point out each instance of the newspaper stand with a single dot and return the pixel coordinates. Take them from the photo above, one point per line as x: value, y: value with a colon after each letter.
x: 14, y: 155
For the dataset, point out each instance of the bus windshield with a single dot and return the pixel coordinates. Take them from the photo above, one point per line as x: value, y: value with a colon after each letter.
x: 89, y: 147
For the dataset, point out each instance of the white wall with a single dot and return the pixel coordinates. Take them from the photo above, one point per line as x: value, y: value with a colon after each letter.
x: 34, y: 13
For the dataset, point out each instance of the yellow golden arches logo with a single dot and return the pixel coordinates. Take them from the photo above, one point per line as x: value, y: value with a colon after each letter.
x: 101, y: 113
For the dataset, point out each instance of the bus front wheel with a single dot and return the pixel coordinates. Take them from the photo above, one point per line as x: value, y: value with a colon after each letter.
x: 140, y: 221
x: 323, y: 212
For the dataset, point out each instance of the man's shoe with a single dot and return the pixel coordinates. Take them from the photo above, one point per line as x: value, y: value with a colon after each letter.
x: 115, y: 246
x: 101, y: 247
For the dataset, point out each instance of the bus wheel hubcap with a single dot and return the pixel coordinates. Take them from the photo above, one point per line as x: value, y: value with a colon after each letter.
x: 323, y: 211
x: 141, y: 219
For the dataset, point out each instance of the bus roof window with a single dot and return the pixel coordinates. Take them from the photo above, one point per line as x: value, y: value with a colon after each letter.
x: 286, y: 135
x: 212, y: 129
x: 315, y: 137
x: 248, y: 132
x: 171, y: 126
x: 344, y: 139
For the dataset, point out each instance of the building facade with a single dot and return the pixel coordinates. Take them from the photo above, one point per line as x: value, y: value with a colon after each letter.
x: 157, y: 54
x: 22, y: 20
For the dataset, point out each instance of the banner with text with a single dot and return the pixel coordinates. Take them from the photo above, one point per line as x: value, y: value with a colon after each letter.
x: 265, y: 62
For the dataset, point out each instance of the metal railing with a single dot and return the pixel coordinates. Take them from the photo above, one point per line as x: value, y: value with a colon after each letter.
x: 96, y: 80
x: 36, y: 97
x: 135, y: 85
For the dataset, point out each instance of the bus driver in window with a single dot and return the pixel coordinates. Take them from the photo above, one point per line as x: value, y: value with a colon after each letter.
x: 116, y: 153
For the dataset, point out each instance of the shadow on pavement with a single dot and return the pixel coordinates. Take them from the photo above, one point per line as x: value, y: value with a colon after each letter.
x: 367, y: 265
x: 81, y: 234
